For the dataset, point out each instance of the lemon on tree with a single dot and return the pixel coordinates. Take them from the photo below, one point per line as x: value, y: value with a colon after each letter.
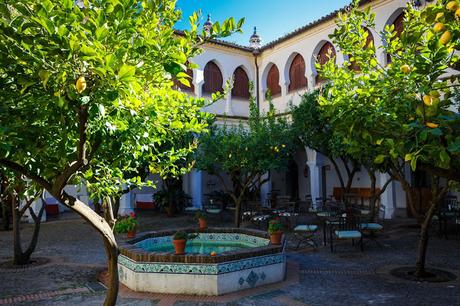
x: 80, y: 84
x: 438, y: 27
x: 405, y: 69
x: 452, y: 6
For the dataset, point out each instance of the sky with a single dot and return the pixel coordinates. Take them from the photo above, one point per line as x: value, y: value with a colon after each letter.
x: 273, y: 18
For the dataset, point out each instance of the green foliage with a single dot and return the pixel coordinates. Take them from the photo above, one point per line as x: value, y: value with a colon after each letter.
x: 379, y: 112
x: 163, y: 198
x: 264, y: 144
x: 126, y: 224
x: 201, y: 215
x: 181, y: 235
x: 275, y: 226
x: 125, y: 117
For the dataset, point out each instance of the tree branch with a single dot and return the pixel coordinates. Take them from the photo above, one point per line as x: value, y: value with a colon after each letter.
x: 63, y: 179
x: 21, y: 170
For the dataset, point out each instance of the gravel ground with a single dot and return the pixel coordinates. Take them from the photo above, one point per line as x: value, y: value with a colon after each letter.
x: 345, y: 277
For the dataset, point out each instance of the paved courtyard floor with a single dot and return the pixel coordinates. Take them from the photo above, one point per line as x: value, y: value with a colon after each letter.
x: 75, y: 257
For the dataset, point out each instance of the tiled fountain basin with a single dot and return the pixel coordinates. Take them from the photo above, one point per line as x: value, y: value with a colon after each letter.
x: 201, y: 274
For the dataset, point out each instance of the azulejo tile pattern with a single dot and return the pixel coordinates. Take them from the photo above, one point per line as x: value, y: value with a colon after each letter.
x: 252, y: 279
x: 205, y: 269
x: 214, y: 237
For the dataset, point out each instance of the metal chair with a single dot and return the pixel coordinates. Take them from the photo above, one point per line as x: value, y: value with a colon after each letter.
x: 347, y: 228
x: 213, y: 208
x: 371, y: 228
x: 305, y: 233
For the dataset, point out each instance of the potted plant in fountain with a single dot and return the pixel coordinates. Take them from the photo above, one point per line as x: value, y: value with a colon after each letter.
x: 201, y: 217
x: 275, y: 229
x: 180, y: 240
x: 127, y: 225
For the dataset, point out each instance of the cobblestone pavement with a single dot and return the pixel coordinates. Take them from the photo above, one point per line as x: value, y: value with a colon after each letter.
x: 345, y: 277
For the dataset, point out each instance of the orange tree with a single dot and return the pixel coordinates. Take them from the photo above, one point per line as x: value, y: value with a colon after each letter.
x: 245, y: 152
x: 314, y: 130
x: 401, y: 112
x: 87, y: 93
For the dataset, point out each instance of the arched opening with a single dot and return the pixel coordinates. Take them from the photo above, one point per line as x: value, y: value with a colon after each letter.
x: 240, y: 84
x: 297, y: 74
x: 369, y: 43
x: 183, y: 87
x: 273, y: 81
x: 212, y: 78
x: 326, y: 52
x: 398, y: 24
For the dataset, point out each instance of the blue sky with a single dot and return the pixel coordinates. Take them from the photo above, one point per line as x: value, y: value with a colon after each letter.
x: 272, y: 18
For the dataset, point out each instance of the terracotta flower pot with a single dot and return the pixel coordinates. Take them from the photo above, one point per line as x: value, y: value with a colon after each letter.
x: 131, y: 234
x: 179, y: 246
x: 203, y: 223
x: 275, y: 238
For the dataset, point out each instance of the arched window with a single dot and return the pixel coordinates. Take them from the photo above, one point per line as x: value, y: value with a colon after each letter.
x: 183, y: 87
x: 326, y: 52
x: 212, y: 78
x: 273, y: 81
x: 297, y: 73
x: 369, y: 42
x: 240, y: 84
x: 399, y: 28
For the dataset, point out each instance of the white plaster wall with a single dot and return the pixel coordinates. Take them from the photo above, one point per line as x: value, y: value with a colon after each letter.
x: 308, y: 44
x: 227, y: 60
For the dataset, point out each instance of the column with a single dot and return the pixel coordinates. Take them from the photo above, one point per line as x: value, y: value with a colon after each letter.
x: 315, y: 181
x: 311, y: 78
x: 126, y: 203
x: 197, y: 188
x: 387, y: 198
x: 228, y: 104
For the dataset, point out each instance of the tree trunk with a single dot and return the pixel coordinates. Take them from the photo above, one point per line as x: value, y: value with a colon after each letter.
x: 18, y: 256
x: 238, y: 212
x: 423, y: 242
x: 373, y: 198
x: 105, y: 230
x: 36, y: 232
x: 112, y: 258
x: 116, y: 205
x: 410, y: 196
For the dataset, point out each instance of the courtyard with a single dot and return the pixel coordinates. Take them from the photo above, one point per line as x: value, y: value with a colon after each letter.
x: 73, y: 264
x: 176, y: 152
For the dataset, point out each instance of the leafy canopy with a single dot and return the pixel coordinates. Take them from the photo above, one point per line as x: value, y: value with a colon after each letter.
x: 402, y: 110
x: 89, y: 90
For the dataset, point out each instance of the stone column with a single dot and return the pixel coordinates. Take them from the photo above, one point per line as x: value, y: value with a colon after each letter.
x: 315, y: 181
x: 228, y: 104
x: 311, y: 78
x: 197, y: 188
x: 126, y: 203
x: 387, y: 198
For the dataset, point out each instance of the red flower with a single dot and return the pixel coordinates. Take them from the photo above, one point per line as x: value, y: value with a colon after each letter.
x: 132, y: 215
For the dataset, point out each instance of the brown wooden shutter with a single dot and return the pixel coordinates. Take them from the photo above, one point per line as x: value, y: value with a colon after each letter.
x: 324, y: 54
x: 399, y: 28
x: 297, y: 73
x: 179, y: 85
x: 240, y: 84
x: 273, y: 81
x: 212, y: 78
